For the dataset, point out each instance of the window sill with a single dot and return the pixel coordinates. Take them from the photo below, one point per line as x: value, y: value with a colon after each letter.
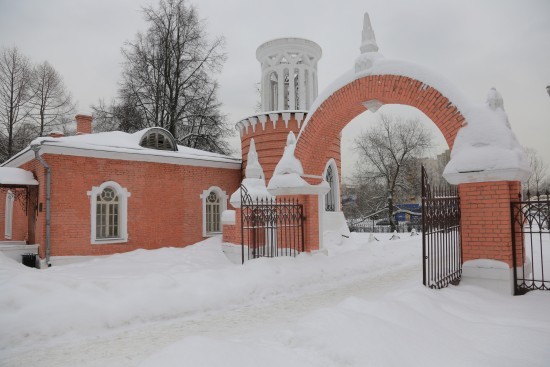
x: 109, y: 241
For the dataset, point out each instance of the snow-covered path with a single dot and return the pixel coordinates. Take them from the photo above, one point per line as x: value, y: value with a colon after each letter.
x: 362, y: 305
x: 131, y: 346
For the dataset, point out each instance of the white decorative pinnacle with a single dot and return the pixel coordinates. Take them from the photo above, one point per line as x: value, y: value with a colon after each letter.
x: 369, y: 48
x: 368, y: 43
x: 496, y: 103
x: 494, y: 99
x: 253, y: 167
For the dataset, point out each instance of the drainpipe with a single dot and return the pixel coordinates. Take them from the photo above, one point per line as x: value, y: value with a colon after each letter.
x: 36, y: 149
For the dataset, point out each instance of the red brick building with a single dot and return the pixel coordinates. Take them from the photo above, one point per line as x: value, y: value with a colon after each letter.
x: 114, y: 192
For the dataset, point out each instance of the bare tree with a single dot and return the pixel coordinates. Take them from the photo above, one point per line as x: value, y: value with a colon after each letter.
x: 535, y: 184
x: 15, y: 94
x: 167, y: 78
x: 123, y: 116
x: 390, y: 153
x: 51, y: 102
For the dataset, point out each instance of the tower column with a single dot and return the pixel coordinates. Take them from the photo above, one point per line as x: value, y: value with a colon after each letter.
x: 265, y: 89
x: 310, y: 88
x: 302, y: 87
x: 291, y: 88
x: 280, y: 89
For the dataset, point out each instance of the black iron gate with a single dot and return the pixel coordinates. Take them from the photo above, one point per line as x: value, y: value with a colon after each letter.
x: 531, y: 243
x: 441, y: 246
x: 271, y: 227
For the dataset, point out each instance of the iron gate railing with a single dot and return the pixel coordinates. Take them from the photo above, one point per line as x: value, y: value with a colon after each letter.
x: 271, y: 227
x: 441, y: 244
x: 531, y: 244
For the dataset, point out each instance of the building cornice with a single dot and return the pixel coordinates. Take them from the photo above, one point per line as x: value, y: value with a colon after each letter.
x: 123, y: 154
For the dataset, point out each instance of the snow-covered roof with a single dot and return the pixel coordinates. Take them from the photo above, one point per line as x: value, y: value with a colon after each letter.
x: 125, y: 146
x: 10, y: 176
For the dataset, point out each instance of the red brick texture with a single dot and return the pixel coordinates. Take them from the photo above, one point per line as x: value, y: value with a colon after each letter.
x: 270, y: 143
x: 485, y: 219
x: 325, y: 125
x: 164, y: 209
x: 83, y: 124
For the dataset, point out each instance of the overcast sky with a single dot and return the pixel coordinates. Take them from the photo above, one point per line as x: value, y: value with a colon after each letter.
x: 476, y: 44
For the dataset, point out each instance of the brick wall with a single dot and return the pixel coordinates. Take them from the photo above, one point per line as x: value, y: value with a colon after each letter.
x: 485, y: 219
x: 164, y: 209
x: 270, y: 143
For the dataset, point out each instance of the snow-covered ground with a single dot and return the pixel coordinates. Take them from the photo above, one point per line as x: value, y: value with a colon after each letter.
x: 363, y: 304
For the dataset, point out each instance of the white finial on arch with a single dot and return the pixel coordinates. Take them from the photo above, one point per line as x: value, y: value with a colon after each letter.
x: 496, y: 103
x: 494, y: 99
x: 368, y: 42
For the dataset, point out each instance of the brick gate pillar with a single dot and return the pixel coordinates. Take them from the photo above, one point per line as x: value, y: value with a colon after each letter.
x: 312, y: 238
x: 486, y: 228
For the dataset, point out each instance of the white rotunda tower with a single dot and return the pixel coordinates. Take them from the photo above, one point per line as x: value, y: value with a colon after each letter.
x: 289, y: 73
x: 288, y: 89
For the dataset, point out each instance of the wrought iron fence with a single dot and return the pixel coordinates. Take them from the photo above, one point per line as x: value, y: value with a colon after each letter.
x: 370, y: 227
x: 531, y: 243
x: 441, y: 243
x: 271, y: 227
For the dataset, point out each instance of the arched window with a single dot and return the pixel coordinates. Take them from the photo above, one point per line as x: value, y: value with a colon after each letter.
x: 214, y: 202
x: 109, y: 213
x: 158, y: 138
x: 332, y: 197
x: 8, y: 224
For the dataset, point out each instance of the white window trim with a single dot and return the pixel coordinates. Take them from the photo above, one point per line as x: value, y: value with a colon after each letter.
x: 123, y: 196
x: 223, y: 202
x: 336, y: 192
x: 8, y: 224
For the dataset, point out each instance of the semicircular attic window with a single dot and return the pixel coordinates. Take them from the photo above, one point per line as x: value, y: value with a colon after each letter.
x: 158, y: 139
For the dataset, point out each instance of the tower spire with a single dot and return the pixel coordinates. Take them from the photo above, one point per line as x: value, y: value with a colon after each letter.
x: 368, y: 42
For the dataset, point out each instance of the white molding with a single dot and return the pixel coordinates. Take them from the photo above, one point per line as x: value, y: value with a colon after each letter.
x: 223, y: 202
x: 253, y: 121
x: 299, y: 116
x: 263, y: 120
x: 373, y: 105
x: 274, y: 117
x: 286, y: 118
x: 8, y: 219
x: 124, y: 155
x: 123, y: 195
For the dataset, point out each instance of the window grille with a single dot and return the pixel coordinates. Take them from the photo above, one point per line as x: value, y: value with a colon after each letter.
x: 213, y: 213
x: 158, y: 139
x: 107, y: 214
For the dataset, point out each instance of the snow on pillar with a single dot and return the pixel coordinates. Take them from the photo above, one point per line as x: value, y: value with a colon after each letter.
x: 292, y: 54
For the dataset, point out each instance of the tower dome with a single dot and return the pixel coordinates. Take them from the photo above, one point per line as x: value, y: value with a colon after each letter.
x: 289, y: 73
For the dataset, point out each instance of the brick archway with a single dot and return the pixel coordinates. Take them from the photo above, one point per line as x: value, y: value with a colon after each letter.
x: 320, y: 139
x: 485, y: 206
